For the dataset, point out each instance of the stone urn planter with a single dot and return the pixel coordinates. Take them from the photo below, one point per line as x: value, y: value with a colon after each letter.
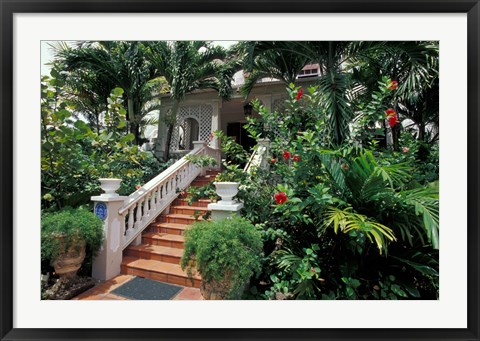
x: 70, y: 258
x: 227, y: 190
x: 109, y: 186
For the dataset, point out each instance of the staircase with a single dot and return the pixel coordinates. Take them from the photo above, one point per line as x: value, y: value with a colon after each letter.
x: 158, y: 257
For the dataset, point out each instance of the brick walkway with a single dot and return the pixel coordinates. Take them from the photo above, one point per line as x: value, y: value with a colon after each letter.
x: 103, y: 291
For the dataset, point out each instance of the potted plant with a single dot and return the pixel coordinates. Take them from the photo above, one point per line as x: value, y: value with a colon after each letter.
x: 202, y: 161
x: 109, y: 183
x: 67, y: 237
x: 226, y: 254
x: 227, y: 182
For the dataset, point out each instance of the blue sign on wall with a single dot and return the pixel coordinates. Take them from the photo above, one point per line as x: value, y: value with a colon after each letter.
x: 101, y: 210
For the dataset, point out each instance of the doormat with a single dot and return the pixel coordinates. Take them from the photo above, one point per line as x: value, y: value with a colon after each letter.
x: 146, y: 289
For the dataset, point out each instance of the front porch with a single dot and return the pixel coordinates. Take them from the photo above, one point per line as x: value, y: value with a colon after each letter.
x: 202, y: 113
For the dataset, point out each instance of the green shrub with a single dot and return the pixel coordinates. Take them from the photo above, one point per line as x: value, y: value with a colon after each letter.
x: 228, y: 249
x: 74, y: 224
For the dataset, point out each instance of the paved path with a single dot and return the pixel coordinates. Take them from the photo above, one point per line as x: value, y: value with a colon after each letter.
x: 103, y: 291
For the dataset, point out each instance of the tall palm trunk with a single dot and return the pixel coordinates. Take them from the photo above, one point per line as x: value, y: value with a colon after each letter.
x: 170, y: 120
x: 131, y: 118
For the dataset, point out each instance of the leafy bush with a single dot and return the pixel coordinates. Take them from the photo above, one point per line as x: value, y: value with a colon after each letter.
x: 202, y: 160
x: 72, y: 224
x: 222, y: 251
x: 74, y: 156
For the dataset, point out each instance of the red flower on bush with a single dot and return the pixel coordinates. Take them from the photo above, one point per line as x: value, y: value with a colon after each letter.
x: 296, y: 158
x: 299, y: 94
x: 405, y: 149
x: 280, y: 198
x: 392, y: 117
x: 138, y: 187
x: 274, y: 160
x: 286, y: 155
x: 392, y: 85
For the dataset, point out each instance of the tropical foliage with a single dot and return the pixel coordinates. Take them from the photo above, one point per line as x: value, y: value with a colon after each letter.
x: 344, y: 223
x: 74, y: 156
x: 348, y: 207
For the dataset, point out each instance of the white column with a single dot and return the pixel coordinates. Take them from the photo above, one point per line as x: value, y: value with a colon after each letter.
x: 216, y: 121
x: 106, y: 264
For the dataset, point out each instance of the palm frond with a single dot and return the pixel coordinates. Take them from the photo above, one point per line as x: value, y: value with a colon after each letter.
x: 346, y: 220
x: 424, y: 202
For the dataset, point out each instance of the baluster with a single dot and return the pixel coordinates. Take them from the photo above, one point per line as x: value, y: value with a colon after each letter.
x: 152, y: 202
x: 130, y: 221
x: 138, y: 219
x: 146, y: 206
x: 159, y: 195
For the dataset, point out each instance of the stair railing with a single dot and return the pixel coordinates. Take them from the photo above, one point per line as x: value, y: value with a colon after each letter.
x: 144, y: 205
x: 259, y: 157
x: 128, y: 217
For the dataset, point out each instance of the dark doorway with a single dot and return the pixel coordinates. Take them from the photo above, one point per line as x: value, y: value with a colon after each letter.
x: 240, y: 135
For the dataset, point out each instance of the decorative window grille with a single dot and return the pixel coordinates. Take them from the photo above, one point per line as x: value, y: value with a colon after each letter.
x: 202, y: 114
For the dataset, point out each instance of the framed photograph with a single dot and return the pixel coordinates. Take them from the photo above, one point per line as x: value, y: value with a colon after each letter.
x: 452, y: 27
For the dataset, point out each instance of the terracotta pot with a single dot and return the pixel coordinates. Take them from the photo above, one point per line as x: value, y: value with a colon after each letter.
x: 69, y: 259
x: 214, y: 290
x: 219, y: 290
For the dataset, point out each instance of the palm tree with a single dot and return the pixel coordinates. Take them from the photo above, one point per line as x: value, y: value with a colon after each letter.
x: 262, y: 59
x: 118, y: 62
x: 286, y: 59
x: 350, y: 70
x: 188, y: 66
x: 415, y: 66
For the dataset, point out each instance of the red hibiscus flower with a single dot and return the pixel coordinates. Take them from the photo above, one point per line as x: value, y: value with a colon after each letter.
x: 392, y: 85
x: 392, y: 117
x: 405, y: 149
x: 299, y: 94
x: 296, y: 158
x: 274, y: 160
x: 138, y: 187
x: 286, y: 155
x: 280, y: 198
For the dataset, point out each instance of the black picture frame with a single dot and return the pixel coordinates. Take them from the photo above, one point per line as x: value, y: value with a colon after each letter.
x: 10, y: 7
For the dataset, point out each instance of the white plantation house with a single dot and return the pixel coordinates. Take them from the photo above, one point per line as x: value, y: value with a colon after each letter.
x: 203, y: 112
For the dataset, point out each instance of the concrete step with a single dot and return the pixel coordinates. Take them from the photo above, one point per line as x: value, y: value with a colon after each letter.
x: 155, y: 252
x: 159, y: 271
x: 188, y: 210
x: 163, y: 239
x: 179, y: 218
x: 199, y: 203
x: 169, y: 228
